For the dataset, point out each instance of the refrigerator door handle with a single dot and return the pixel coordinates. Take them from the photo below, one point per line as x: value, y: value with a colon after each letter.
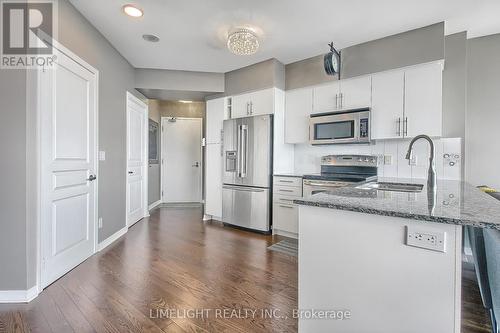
x: 238, y: 154
x: 243, y: 189
x: 244, y: 152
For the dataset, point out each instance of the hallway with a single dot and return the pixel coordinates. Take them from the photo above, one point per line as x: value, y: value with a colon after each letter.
x: 173, y: 261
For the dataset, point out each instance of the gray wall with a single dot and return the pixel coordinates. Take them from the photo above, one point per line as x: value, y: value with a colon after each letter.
x: 13, y: 266
x: 483, y: 111
x: 404, y: 49
x: 154, y: 169
x: 265, y: 74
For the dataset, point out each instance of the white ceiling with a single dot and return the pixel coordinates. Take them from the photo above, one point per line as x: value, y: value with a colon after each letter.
x: 193, y: 32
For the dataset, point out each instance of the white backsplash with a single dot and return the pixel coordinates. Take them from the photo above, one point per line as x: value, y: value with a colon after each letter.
x: 448, y: 157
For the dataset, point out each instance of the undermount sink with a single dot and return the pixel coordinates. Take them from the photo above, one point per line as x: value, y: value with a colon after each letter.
x: 395, y: 187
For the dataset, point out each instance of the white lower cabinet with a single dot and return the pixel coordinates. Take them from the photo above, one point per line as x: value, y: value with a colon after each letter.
x: 213, y: 181
x: 285, y: 217
x: 285, y: 212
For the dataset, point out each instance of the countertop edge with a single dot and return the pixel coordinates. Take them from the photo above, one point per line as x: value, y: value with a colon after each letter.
x: 391, y: 213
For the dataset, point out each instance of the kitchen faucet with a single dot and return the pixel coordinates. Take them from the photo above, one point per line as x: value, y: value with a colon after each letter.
x: 431, y: 176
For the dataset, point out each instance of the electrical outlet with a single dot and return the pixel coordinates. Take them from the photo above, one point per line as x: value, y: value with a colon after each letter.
x: 413, y: 160
x: 102, y: 155
x: 387, y: 159
x: 426, y: 239
x: 100, y: 222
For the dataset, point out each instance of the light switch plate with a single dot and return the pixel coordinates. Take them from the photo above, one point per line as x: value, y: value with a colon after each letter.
x: 429, y: 239
x: 102, y: 155
x: 387, y: 159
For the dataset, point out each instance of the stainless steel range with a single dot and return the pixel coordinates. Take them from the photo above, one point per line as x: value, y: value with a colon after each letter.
x: 340, y: 170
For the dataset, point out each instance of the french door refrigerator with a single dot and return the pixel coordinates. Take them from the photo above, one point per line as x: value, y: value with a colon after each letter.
x: 247, y: 172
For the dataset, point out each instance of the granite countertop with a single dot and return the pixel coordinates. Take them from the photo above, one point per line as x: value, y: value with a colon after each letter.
x: 456, y: 202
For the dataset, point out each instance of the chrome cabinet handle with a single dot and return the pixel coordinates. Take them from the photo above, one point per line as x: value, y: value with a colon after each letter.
x: 405, y: 126
x: 398, y: 132
x: 283, y: 190
x: 130, y: 172
x: 196, y: 165
x: 289, y: 207
x: 92, y: 178
x: 251, y: 107
x: 341, y: 100
x: 336, y: 101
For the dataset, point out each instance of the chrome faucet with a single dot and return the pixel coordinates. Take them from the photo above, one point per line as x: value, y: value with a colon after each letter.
x: 431, y: 176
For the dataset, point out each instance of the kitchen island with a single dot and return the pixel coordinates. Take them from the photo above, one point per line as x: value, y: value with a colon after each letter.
x: 390, y: 259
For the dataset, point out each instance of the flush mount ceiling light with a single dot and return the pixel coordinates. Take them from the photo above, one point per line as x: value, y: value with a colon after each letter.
x: 243, y: 42
x: 151, y: 38
x: 132, y: 11
x: 183, y: 101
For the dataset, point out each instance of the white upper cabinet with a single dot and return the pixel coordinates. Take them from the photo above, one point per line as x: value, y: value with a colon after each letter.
x: 254, y: 103
x: 387, y: 105
x: 298, y: 107
x: 215, y: 118
x: 326, y: 97
x: 355, y: 93
x: 423, y: 100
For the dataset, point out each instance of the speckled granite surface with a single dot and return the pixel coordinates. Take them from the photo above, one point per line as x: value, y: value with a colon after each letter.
x: 455, y: 202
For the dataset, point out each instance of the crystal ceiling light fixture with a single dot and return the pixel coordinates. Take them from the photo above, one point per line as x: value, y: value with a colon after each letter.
x: 243, y: 42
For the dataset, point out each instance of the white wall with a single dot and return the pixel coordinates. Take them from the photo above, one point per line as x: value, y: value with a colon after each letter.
x: 308, y: 158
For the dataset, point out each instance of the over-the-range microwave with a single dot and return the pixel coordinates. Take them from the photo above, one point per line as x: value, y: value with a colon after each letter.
x: 347, y: 126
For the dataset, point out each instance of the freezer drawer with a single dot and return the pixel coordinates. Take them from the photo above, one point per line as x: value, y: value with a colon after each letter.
x: 247, y: 207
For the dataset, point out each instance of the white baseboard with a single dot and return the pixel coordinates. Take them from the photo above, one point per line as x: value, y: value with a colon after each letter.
x: 108, y: 241
x: 285, y: 233
x: 18, y: 296
x: 154, y: 205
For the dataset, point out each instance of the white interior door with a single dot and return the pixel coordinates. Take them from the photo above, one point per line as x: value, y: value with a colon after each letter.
x: 137, y: 131
x: 68, y: 149
x: 181, y: 160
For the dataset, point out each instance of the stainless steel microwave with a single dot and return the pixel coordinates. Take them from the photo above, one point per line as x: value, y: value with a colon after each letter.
x: 349, y: 126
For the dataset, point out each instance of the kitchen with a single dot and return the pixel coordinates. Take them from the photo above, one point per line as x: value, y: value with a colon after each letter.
x: 219, y: 167
x: 354, y: 131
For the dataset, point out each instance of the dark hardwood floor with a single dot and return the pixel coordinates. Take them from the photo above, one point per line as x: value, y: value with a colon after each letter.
x: 174, y: 261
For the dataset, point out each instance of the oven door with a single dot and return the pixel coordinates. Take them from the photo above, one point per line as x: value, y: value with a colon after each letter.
x: 311, y: 187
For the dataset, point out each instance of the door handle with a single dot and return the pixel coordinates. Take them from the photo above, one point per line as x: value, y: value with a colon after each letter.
x: 92, y: 178
x: 130, y: 172
x: 196, y: 165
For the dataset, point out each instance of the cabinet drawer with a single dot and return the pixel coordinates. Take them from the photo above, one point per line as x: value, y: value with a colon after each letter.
x: 284, y: 199
x: 286, y: 217
x: 288, y: 191
x: 288, y: 181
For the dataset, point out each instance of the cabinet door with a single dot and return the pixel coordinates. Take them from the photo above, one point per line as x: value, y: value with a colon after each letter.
x: 285, y: 217
x: 387, y: 105
x: 326, y: 97
x: 262, y: 102
x: 215, y: 117
x: 423, y: 100
x: 213, y: 180
x: 240, y: 106
x: 356, y: 93
x: 298, y: 107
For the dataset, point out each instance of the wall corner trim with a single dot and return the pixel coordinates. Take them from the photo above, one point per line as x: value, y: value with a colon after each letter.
x: 111, y: 239
x: 18, y: 296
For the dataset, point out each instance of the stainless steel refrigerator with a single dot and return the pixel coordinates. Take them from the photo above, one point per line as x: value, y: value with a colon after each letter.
x: 247, y: 172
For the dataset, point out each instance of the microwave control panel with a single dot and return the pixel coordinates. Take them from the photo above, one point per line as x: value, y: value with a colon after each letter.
x: 363, y: 128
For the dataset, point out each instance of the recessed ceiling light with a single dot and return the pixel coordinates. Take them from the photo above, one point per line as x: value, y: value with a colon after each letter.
x: 151, y: 38
x: 243, y: 42
x: 132, y: 11
x: 182, y: 101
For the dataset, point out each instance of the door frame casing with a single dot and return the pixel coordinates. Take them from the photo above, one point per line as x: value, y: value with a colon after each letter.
x: 34, y: 101
x: 132, y: 98
x: 162, y: 157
